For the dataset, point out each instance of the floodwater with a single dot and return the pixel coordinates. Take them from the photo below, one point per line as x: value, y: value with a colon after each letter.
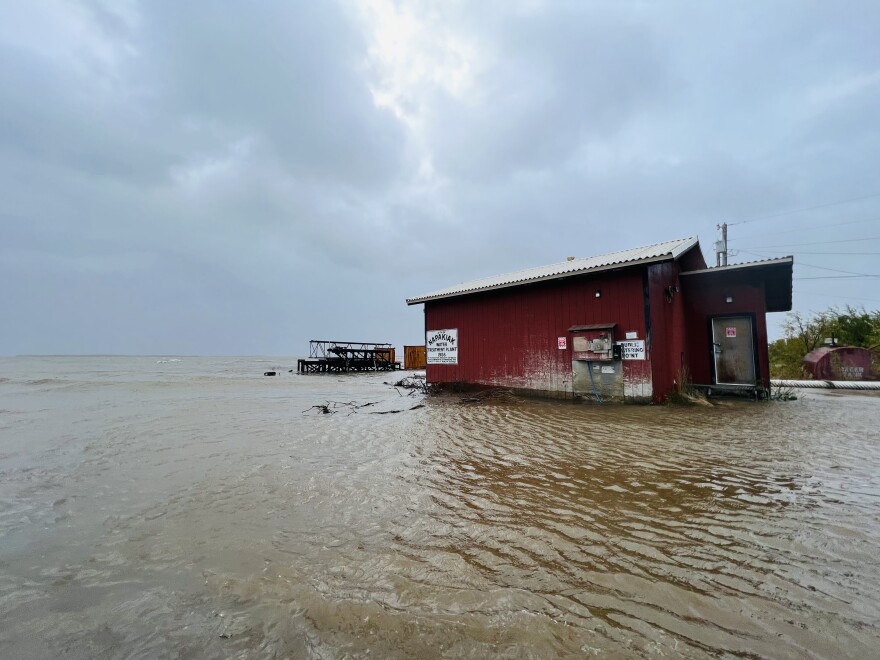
x: 152, y: 508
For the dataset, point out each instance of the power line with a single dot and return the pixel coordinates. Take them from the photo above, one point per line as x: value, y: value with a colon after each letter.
x: 836, y: 295
x: 824, y: 225
x: 837, y: 270
x: 838, y: 277
x: 801, y: 263
x: 833, y: 270
x: 851, y: 254
x: 786, y: 245
x: 803, y: 210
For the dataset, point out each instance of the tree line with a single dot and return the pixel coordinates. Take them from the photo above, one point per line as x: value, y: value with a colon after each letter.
x: 803, y: 333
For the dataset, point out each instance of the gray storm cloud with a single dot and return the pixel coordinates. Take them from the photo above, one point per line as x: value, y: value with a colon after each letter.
x: 190, y: 178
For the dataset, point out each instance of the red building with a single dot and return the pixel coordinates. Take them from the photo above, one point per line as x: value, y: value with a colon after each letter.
x: 842, y: 363
x: 625, y: 326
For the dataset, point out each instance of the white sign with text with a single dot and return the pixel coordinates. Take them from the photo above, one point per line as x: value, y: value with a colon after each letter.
x: 632, y: 350
x: 442, y: 346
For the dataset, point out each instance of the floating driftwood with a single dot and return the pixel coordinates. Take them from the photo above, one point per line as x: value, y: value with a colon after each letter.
x: 415, y: 385
x: 333, y: 407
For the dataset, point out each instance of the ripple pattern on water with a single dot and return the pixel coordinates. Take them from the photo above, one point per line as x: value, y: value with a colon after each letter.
x: 211, y: 516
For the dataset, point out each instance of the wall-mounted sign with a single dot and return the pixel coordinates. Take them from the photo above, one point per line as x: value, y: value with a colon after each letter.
x: 731, y: 332
x: 632, y: 350
x: 607, y: 369
x: 562, y: 342
x: 441, y: 346
x: 632, y: 335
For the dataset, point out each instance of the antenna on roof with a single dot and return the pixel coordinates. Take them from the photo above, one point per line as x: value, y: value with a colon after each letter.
x: 721, y: 247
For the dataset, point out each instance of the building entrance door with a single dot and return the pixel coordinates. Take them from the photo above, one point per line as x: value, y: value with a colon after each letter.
x: 733, y: 342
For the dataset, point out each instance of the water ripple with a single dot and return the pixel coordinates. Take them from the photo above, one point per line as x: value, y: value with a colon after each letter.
x: 206, y: 515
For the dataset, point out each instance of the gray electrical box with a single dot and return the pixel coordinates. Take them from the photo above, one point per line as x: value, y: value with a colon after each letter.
x: 593, y: 343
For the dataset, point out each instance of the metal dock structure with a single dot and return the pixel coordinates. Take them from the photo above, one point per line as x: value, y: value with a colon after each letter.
x: 328, y: 356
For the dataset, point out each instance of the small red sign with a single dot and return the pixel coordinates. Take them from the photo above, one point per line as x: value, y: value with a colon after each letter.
x: 563, y: 343
x: 731, y: 332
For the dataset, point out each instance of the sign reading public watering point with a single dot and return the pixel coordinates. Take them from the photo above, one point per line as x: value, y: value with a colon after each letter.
x: 632, y: 350
x: 442, y: 346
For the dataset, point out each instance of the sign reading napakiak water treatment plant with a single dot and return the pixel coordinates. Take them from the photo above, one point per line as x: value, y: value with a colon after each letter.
x: 442, y: 346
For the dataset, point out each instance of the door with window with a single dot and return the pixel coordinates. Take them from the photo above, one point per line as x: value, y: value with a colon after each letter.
x: 733, y: 342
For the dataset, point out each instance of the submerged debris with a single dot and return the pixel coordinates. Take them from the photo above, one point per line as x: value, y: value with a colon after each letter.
x: 495, y: 394
x: 689, y: 397
x: 333, y: 407
x: 782, y: 393
x: 415, y: 384
x: 685, y: 394
x: 393, y: 412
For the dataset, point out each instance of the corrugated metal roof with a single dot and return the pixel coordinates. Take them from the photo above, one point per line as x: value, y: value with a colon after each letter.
x: 647, y: 254
x: 747, y: 264
x: 776, y: 274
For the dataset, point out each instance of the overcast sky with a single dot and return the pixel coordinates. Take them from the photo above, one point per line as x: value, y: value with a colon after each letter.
x: 240, y: 177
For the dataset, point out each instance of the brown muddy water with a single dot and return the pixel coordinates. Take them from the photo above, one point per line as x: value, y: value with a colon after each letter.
x: 161, y: 509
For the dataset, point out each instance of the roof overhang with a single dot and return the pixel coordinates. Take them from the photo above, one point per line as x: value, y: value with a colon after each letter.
x: 775, y: 274
x: 592, y: 326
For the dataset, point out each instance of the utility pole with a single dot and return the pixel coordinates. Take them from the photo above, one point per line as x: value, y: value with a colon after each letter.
x: 721, y: 247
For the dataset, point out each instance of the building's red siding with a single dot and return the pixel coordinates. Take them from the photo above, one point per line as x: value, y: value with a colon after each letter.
x: 668, y: 337
x: 704, y: 302
x: 508, y: 337
x: 692, y: 260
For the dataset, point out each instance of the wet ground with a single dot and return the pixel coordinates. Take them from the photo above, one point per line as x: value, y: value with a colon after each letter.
x: 151, y: 509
